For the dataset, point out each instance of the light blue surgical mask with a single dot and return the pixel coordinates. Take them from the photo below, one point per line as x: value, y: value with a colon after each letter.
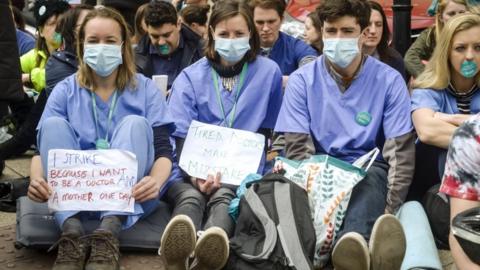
x: 103, y: 58
x: 341, y: 51
x: 232, y: 50
x: 468, y: 69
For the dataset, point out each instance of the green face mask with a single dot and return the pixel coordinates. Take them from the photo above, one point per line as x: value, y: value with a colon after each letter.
x: 468, y: 69
x: 163, y: 49
x: 57, y: 39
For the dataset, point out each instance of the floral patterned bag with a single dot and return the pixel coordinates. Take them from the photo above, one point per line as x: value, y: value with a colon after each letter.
x: 329, y: 183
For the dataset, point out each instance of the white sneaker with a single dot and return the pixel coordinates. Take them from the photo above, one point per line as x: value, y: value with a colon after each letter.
x: 177, y: 243
x: 212, y: 249
x: 387, y: 243
x: 351, y: 253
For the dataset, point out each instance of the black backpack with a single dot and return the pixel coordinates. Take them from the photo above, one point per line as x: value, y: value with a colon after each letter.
x: 274, y: 228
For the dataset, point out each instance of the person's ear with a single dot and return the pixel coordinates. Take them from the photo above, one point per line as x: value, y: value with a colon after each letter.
x: 179, y: 23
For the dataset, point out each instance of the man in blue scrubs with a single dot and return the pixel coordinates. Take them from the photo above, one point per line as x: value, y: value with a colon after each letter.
x: 344, y: 104
x: 168, y: 47
x: 288, y: 52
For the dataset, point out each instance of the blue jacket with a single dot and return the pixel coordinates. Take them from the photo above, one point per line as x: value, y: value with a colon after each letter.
x: 60, y: 65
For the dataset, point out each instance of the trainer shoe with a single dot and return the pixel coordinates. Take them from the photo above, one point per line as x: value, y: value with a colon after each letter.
x: 212, y: 249
x: 177, y: 243
x: 71, y: 254
x: 351, y: 253
x: 104, y: 251
x: 387, y: 243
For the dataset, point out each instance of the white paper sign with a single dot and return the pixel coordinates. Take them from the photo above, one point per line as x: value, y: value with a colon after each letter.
x: 232, y: 152
x: 91, y: 180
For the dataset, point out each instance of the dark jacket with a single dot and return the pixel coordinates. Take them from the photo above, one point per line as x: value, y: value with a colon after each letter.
x: 11, y: 88
x: 192, y: 51
x: 60, y: 65
x: 395, y: 60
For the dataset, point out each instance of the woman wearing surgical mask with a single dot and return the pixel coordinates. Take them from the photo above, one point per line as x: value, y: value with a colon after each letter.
x: 230, y: 87
x: 421, y: 50
x: 447, y: 92
x: 105, y: 105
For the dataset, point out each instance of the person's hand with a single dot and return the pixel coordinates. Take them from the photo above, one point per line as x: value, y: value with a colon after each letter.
x: 278, y: 167
x: 210, y: 185
x: 25, y: 78
x: 39, y: 190
x: 148, y: 188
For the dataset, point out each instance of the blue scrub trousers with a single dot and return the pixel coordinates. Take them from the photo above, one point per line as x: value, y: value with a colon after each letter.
x: 421, y: 252
x: 133, y: 134
x: 367, y: 202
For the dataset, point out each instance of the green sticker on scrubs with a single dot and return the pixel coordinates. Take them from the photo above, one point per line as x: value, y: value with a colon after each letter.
x: 102, y: 144
x: 363, y: 118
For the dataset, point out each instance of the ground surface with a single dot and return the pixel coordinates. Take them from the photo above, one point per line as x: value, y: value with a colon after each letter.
x: 11, y: 258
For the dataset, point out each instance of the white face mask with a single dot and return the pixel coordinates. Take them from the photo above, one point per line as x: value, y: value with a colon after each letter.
x: 341, y: 51
x: 232, y: 50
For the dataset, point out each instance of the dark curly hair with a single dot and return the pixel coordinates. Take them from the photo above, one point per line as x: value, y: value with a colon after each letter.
x: 331, y: 10
x: 159, y: 13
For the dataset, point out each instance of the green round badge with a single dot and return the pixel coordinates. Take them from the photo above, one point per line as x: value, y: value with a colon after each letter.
x: 363, y: 118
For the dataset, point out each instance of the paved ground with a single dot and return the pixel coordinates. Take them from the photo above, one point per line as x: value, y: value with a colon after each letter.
x: 27, y: 259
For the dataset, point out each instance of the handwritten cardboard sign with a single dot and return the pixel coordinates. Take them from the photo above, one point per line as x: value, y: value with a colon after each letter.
x: 232, y: 152
x: 91, y: 180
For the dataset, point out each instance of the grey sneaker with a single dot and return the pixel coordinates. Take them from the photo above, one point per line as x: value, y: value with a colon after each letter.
x: 351, y: 253
x: 72, y: 251
x: 104, y: 251
x: 177, y: 243
x: 211, y: 251
x: 387, y: 243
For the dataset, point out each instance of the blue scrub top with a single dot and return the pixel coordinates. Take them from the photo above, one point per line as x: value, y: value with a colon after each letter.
x: 441, y: 101
x: 194, y: 97
x: 313, y: 104
x: 288, y: 51
x: 74, y: 103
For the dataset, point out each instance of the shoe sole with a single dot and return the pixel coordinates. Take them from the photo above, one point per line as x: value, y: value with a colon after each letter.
x: 348, y: 252
x: 178, y: 242
x: 212, y: 250
x: 387, y: 243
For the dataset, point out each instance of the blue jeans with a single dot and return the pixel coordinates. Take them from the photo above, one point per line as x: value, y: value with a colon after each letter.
x: 367, y: 203
x: 133, y: 134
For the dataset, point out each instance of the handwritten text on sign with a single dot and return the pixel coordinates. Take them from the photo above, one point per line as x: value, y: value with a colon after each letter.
x: 92, y: 180
x: 232, y: 152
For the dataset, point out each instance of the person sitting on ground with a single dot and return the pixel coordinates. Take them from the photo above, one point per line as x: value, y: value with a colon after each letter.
x: 169, y: 46
x: 313, y: 29
x: 220, y: 89
x: 421, y: 50
x: 288, y: 52
x: 461, y: 181
x: 378, y: 37
x: 348, y: 103
x: 132, y: 116
x: 195, y: 17
x: 447, y: 93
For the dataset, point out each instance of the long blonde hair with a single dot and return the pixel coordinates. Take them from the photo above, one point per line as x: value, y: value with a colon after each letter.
x: 437, y: 72
x: 126, y: 71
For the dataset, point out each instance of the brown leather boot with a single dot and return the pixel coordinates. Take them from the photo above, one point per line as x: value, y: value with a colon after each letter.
x: 72, y: 251
x: 104, y: 251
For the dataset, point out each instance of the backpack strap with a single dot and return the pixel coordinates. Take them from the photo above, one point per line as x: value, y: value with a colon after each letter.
x: 268, y: 225
x: 287, y: 229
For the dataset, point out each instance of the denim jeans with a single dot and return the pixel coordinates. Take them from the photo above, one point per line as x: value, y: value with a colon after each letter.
x: 188, y: 200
